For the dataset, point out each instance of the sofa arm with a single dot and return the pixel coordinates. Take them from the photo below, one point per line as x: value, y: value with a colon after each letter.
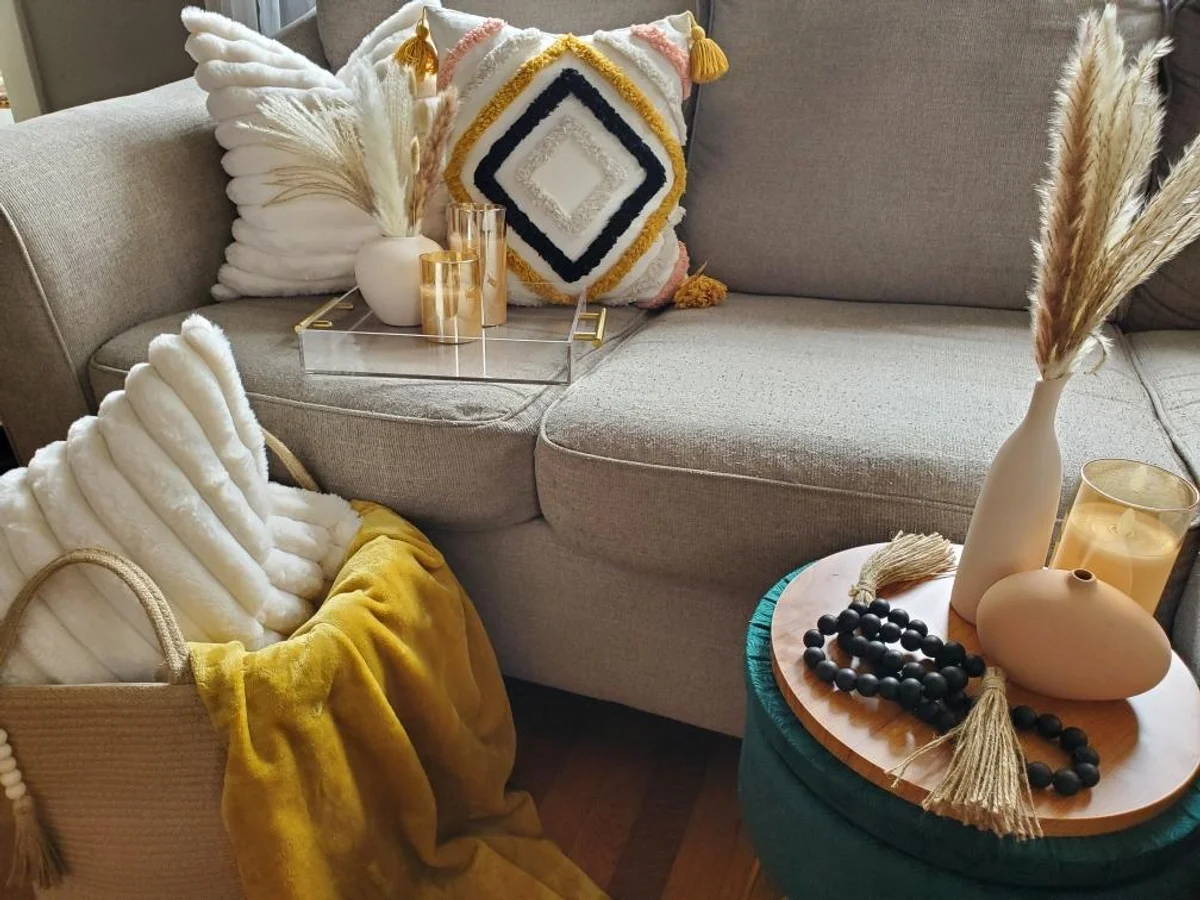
x: 110, y: 214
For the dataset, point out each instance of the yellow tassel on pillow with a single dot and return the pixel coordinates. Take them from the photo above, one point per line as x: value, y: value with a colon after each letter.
x: 708, y: 59
x: 699, y: 291
x: 418, y: 52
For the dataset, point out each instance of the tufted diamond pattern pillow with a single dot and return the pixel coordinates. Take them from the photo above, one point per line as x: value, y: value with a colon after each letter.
x: 581, y: 139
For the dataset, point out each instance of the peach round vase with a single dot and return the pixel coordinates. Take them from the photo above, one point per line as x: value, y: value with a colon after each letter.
x: 388, y: 272
x: 1014, y: 514
x: 1115, y: 648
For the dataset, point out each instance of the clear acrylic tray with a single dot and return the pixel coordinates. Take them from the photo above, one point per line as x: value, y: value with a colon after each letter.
x: 537, y: 345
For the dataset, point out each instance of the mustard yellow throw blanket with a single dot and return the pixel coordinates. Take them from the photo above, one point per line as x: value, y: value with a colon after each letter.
x: 368, y: 754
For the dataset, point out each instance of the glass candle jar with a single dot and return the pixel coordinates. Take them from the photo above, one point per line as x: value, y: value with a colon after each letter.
x: 1126, y: 526
x: 479, y: 228
x: 451, y: 310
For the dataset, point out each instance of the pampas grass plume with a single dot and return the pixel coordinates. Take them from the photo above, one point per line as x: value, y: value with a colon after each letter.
x: 366, y: 150
x: 1099, y: 237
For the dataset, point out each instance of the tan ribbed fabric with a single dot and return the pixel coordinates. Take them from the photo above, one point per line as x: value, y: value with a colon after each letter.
x: 128, y: 781
x: 127, y: 777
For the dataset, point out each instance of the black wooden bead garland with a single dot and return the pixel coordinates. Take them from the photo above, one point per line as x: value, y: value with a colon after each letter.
x: 934, y: 689
x: 985, y: 783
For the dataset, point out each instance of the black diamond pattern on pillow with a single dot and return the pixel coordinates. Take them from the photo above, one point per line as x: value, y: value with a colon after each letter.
x: 571, y: 83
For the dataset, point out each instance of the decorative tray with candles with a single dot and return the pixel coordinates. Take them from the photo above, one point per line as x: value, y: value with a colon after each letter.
x: 536, y: 345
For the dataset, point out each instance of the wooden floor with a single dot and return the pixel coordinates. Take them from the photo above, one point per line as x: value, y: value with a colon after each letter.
x: 647, y: 807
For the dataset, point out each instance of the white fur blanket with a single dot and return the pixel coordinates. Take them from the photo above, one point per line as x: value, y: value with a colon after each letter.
x: 172, y: 474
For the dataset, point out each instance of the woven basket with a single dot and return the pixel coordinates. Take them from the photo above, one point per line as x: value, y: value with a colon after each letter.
x: 127, y: 777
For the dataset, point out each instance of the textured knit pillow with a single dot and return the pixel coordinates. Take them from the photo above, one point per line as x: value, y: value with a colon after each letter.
x: 298, y: 246
x: 580, y: 139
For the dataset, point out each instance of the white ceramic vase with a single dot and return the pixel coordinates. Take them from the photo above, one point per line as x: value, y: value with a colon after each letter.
x: 388, y: 272
x: 1014, y: 514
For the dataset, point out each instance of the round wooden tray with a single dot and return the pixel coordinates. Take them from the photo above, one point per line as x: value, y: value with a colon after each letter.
x: 1149, y: 745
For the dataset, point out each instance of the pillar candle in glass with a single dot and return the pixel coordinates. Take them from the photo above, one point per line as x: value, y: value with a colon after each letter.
x: 1126, y: 526
x: 451, y: 311
x: 479, y: 228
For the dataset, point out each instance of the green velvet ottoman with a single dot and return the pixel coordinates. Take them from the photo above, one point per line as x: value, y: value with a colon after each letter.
x: 822, y: 831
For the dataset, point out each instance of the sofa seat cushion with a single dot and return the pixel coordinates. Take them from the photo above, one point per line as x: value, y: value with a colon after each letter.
x: 729, y: 445
x: 456, y: 454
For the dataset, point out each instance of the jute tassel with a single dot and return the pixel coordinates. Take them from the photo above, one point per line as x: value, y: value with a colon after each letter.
x: 36, y: 860
x: 907, y: 557
x: 985, y: 784
x: 708, y: 60
x: 418, y: 52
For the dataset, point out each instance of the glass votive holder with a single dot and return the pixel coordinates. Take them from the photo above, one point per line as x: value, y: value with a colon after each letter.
x: 479, y: 228
x: 1126, y: 526
x: 451, y: 311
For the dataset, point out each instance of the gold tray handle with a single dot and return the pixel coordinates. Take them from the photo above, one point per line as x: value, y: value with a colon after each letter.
x: 317, y: 318
x: 596, y: 335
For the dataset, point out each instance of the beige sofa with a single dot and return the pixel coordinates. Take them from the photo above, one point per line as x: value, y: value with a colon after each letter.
x: 863, y: 180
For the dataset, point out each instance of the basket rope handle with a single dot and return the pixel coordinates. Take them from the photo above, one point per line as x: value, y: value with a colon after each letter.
x: 153, y: 603
x: 294, y: 467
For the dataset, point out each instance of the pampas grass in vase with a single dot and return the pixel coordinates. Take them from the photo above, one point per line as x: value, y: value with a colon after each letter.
x: 382, y: 150
x: 1100, y: 238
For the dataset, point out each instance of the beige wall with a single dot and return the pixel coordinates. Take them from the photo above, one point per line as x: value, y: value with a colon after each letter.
x: 20, y: 78
x: 61, y: 53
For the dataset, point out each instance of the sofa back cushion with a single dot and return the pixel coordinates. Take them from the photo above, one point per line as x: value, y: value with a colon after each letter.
x: 881, y: 149
x: 343, y: 23
x: 1171, y: 299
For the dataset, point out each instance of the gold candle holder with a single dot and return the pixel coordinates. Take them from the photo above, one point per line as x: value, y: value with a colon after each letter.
x: 1126, y: 526
x: 479, y: 228
x: 451, y: 310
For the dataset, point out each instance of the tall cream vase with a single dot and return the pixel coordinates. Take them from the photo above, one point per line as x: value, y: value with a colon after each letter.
x: 1014, y: 514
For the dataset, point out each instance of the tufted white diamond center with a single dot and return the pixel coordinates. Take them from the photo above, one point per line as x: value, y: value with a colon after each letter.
x: 563, y: 177
x: 571, y: 174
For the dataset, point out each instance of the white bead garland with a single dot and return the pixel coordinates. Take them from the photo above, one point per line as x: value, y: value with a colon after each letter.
x: 10, y: 776
x: 35, y: 859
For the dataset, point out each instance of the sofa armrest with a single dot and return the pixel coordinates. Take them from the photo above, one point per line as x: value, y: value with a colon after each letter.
x: 110, y: 214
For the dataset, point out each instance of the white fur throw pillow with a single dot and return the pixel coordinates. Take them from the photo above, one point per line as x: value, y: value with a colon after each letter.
x: 298, y: 246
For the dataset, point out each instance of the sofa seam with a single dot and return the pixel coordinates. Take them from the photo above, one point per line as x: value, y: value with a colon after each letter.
x: 546, y: 389
x: 1160, y: 410
x: 549, y: 443
x: 363, y: 414
x: 27, y: 258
